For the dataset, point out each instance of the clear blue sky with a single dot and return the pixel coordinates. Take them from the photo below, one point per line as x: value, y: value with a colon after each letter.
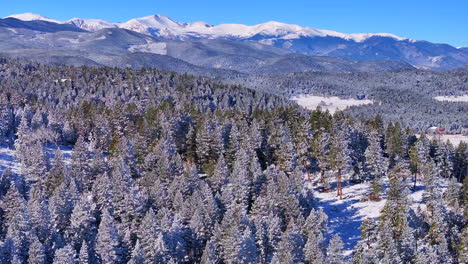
x: 441, y: 21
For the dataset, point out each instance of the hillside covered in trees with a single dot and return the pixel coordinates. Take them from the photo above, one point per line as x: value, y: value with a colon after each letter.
x: 169, y: 168
x: 405, y: 96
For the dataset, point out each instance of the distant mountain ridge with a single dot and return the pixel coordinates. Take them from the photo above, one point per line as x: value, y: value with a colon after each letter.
x: 293, y: 38
x: 163, y: 26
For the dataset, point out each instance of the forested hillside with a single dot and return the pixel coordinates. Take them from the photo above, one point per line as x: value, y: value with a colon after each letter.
x: 169, y: 168
x: 401, y: 96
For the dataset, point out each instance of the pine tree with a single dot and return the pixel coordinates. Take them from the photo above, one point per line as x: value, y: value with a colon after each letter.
x: 57, y: 173
x: 462, y: 249
x: 291, y: 247
x: 65, y: 255
x: 220, y: 175
x: 137, y: 255
x: 335, y: 251
x: 149, y: 230
x: 40, y: 217
x: 210, y: 254
x: 321, y: 153
x: 339, y: 156
x: 80, y: 169
x: 286, y: 153
x: 247, y: 251
x: 376, y: 165
x: 84, y: 256
x: 82, y: 226
x: 108, y: 243
x: 37, y: 251
x: 396, y: 210
x: 304, y: 150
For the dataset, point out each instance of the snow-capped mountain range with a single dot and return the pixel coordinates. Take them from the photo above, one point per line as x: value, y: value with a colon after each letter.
x: 163, y: 26
x: 200, y: 43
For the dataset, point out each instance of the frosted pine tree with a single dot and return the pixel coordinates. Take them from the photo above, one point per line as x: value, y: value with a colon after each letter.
x: 210, y: 254
x: 335, y: 251
x: 108, y: 243
x: 65, y: 255
x: 80, y: 169
x: 339, y: 156
x: 376, y: 165
x: 247, y: 251
x: 149, y: 230
x: 56, y: 174
x: 291, y: 247
x: 37, y: 251
x: 137, y: 255
x: 84, y: 256
x: 286, y: 153
x: 322, y: 155
x: 82, y: 221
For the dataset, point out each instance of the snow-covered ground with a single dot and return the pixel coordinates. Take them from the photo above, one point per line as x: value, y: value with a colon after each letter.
x: 7, y: 157
x: 454, y: 139
x: 7, y: 160
x: 346, y: 216
x: 331, y: 104
x: 156, y: 48
x: 461, y: 98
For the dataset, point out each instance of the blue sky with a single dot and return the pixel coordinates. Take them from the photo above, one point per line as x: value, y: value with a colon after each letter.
x: 443, y: 21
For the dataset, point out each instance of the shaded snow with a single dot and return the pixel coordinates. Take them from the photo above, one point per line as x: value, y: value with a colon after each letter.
x: 346, y: 216
x: 7, y: 160
x: 331, y: 104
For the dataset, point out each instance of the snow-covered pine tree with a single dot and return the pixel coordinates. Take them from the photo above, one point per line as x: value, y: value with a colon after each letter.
x: 36, y: 251
x: 339, y: 155
x: 108, y: 242
x: 66, y: 255
x: 137, y: 255
x: 376, y: 165
x: 335, y: 251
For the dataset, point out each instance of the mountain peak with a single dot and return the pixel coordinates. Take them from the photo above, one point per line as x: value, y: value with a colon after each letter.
x: 32, y: 17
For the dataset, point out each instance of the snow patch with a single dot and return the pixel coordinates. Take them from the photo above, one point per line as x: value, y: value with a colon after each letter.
x: 156, y: 48
x: 454, y: 139
x: 460, y: 98
x: 332, y: 104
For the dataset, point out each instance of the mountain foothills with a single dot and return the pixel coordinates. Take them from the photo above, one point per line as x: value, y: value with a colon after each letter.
x: 169, y: 168
x: 286, y: 38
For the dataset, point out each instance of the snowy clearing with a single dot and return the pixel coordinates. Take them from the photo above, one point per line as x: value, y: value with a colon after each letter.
x: 331, y: 104
x: 156, y: 48
x: 454, y: 139
x: 461, y: 98
x: 346, y: 216
x: 7, y: 157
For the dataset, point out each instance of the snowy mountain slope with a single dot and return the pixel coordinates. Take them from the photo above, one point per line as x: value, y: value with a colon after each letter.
x: 91, y: 24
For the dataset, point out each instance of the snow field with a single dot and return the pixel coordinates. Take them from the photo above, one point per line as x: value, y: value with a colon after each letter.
x: 461, y: 98
x: 332, y: 104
